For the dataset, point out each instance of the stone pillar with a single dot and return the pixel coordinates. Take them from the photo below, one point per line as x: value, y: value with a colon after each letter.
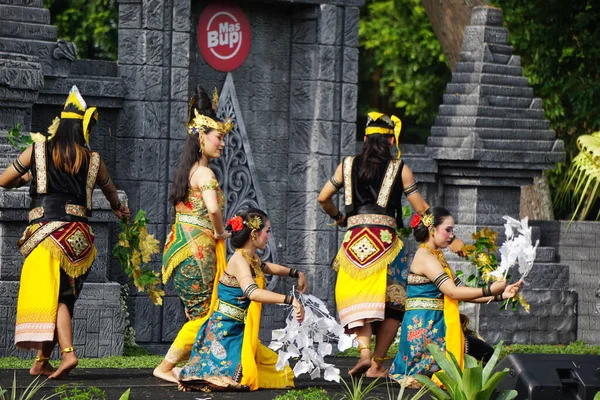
x: 154, y: 48
x: 491, y: 136
x: 322, y: 129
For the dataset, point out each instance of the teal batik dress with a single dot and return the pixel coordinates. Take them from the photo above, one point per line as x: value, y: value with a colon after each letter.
x: 423, y: 323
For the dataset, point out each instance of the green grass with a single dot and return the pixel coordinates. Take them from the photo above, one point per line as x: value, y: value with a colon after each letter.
x: 313, y: 393
x: 577, y: 347
x: 136, y: 357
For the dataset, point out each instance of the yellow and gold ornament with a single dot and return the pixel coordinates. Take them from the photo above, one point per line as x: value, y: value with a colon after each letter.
x: 394, y: 127
x: 75, y: 108
x: 203, y: 124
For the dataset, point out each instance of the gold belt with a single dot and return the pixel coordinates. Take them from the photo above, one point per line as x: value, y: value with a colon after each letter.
x: 193, y: 220
x: 424, y: 303
x: 371, y: 219
x: 70, y: 209
x: 231, y: 311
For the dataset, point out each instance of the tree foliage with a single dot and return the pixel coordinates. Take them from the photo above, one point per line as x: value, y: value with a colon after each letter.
x: 557, y: 41
x: 401, y: 61
x: 90, y: 24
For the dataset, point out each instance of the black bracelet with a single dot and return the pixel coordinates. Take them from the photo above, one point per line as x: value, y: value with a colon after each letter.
x: 498, y: 297
x: 116, y: 206
x: 294, y: 273
x: 288, y: 300
x: 486, y: 290
x: 337, y: 216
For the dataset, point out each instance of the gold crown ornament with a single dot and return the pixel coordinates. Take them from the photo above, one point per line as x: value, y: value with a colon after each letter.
x: 394, y: 127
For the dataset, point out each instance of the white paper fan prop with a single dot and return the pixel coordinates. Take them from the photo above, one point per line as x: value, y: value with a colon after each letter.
x: 310, y: 340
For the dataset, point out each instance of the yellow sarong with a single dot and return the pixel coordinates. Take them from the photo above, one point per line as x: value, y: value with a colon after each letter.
x: 37, y: 304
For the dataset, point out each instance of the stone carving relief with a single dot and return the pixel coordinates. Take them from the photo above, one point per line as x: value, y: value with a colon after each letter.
x: 64, y: 49
x: 235, y: 169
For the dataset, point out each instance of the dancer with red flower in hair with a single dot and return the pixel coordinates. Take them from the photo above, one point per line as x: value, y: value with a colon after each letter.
x: 227, y: 354
x: 371, y: 263
x: 195, y: 248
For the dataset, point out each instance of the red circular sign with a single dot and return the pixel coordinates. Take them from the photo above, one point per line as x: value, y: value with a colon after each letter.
x: 224, y: 36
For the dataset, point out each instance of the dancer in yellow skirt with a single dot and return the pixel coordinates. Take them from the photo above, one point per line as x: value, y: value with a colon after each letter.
x: 227, y: 354
x: 371, y: 264
x: 195, y: 244
x: 58, y: 244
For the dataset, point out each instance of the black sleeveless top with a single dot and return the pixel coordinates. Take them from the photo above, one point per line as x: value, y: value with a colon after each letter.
x: 365, y: 193
x: 58, y: 195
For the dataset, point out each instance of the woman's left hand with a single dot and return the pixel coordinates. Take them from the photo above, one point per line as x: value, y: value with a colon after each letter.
x: 302, y: 284
x: 512, y: 290
x: 457, y: 246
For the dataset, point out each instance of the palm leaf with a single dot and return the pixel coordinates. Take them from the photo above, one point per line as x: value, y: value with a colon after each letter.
x: 489, y: 367
x: 444, y: 363
x: 471, y: 383
x: 433, y: 388
x: 509, y: 395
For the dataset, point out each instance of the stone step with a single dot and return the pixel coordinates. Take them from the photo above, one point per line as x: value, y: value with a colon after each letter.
x: 488, y: 68
x: 28, y: 31
x: 487, y: 56
x: 493, y: 133
x: 523, y: 157
x: 485, y: 111
x: 487, y: 122
x: 545, y: 254
x: 527, y: 145
x: 494, y: 101
x: 24, y: 3
x: 24, y: 14
x: 490, y: 79
x: 489, y: 90
x: 497, y: 48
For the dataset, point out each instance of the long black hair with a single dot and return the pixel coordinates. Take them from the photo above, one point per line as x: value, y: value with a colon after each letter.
x: 68, y: 147
x: 421, y: 232
x: 376, y: 152
x: 239, y: 238
x: 191, y: 148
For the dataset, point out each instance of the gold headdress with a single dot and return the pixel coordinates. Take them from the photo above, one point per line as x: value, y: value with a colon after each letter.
x: 203, y: 123
x: 75, y: 108
x: 394, y: 127
x: 254, y: 223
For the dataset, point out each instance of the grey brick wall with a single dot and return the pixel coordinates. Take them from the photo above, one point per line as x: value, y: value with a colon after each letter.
x: 576, y: 245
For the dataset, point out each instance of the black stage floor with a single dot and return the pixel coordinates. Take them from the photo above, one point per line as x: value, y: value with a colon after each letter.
x: 144, y: 386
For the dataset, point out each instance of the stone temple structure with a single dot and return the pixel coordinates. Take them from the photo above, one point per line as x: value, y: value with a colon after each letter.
x: 294, y: 101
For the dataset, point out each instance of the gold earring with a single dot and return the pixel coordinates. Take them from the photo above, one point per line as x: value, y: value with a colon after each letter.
x: 201, y: 145
x: 254, y: 236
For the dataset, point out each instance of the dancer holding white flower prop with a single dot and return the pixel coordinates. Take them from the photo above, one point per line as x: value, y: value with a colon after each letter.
x: 517, y: 249
x: 227, y: 354
x: 310, y: 340
x: 432, y: 314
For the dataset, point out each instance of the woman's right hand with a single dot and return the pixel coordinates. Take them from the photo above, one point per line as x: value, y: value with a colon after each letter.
x: 298, y: 310
x: 341, y: 221
x: 122, y: 211
x: 498, y: 287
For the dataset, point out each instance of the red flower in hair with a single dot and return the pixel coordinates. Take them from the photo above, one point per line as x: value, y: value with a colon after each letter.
x: 415, y: 221
x: 236, y: 223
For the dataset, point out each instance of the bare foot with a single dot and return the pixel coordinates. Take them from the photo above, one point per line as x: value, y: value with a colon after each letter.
x: 377, y: 370
x: 165, y: 374
x: 362, y: 366
x: 410, y: 383
x: 69, y: 362
x: 41, y: 368
x: 175, y: 373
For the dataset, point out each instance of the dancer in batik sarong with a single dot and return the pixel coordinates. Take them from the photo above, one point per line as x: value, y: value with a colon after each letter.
x: 195, y: 244
x: 227, y: 354
x: 371, y: 262
x: 58, y: 244
x: 432, y: 314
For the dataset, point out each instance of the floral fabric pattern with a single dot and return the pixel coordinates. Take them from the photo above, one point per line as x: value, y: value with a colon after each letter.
x: 420, y: 327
